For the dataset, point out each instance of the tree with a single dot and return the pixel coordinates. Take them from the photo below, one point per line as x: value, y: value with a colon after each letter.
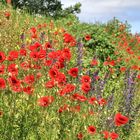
x: 46, y: 7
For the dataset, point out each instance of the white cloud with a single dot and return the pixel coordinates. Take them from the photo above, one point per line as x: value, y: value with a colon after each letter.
x: 102, y: 10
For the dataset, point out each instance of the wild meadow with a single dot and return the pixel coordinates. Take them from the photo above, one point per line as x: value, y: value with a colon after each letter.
x: 66, y: 80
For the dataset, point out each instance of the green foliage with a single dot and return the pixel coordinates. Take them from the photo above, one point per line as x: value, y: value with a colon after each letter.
x: 46, y: 7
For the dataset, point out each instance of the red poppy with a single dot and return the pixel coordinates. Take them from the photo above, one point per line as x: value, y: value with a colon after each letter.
x: 1, y: 113
x: 135, y: 67
x: 85, y: 87
x: 66, y: 53
x: 114, y: 135
x: 106, y: 63
x: 69, y: 38
x: 33, y: 30
x: 92, y: 100
x: 7, y: 15
x: 87, y: 37
x: 58, y: 65
x: 73, y: 72
x: 48, y: 63
x: 63, y: 108
x: 29, y: 79
x: 61, y: 79
x: 120, y: 119
x: 45, y: 101
x: 106, y: 134
x: 13, y: 55
x: 28, y: 90
x: 22, y: 52
x: 94, y: 62
x: 53, y: 73
x: 12, y: 68
x: 2, y: 83
x: 69, y: 88
x: 42, y: 54
x: 122, y: 69
x: 102, y: 102
x: 48, y: 45
x: 2, y: 67
x: 80, y: 136
x: 138, y: 76
x: 8, y: 1
x: 52, y: 55
x: 85, y: 79
x: 112, y: 63
x: 25, y: 65
x: 91, y: 129
x: 79, y: 97
x: 13, y: 81
x: 38, y: 75
x: 16, y: 88
x: 34, y: 56
x: 50, y: 84
x: 2, y: 57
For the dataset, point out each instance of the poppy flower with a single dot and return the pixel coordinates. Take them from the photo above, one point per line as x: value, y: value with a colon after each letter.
x: 92, y: 100
x: 120, y: 119
x: 7, y: 15
x: 85, y: 87
x: 2, y: 57
x: 79, y: 97
x: 45, y: 101
x: 29, y: 79
x: 13, y: 55
x: 122, y: 69
x: 12, y: 68
x: 53, y: 73
x: 112, y: 63
x: 106, y: 134
x: 69, y: 88
x: 87, y: 37
x: 80, y: 136
x: 22, y: 52
x: 68, y: 38
x: 25, y: 65
x: 91, y: 129
x: 50, y: 84
x: 138, y: 76
x: 48, y: 45
x: 85, y: 79
x: 16, y: 88
x: 2, y: 67
x: 13, y: 81
x: 2, y: 83
x: 63, y: 108
x: 61, y: 79
x: 73, y: 72
x: 94, y: 62
x: 102, y: 102
x: 48, y: 63
x: 42, y: 54
x: 114, y: 136
x: 8, y: 1
x: 1, y: 113
x: 34, y: 55
x: 66, y: 53
x: 33, y: 30
x: 28, y: 90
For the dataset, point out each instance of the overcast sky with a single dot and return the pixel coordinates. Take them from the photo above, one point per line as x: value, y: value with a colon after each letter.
x: 103, y: 10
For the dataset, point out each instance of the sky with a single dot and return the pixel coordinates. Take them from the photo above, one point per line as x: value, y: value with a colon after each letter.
x: 104, y: 10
